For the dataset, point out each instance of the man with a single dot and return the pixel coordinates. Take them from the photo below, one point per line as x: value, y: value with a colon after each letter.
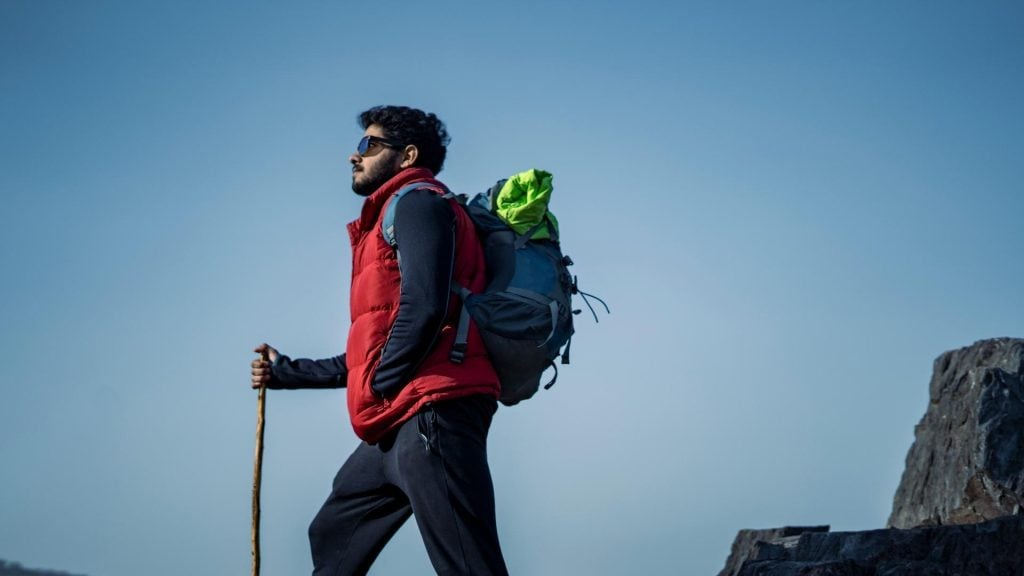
x: 423, y: 417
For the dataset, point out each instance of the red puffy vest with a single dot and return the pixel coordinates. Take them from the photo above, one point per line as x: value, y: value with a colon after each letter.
x: 376, y: 285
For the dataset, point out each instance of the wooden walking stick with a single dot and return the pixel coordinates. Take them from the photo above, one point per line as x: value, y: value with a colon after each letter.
x: 257, y: 475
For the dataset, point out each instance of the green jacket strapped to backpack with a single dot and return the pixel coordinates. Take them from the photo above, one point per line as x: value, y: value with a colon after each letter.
x: 523, y: 204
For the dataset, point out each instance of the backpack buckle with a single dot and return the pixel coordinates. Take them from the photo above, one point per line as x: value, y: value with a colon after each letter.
x: 458, y: 353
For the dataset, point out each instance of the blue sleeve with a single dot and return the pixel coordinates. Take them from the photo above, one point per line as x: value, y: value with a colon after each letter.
x: 305, y: 373
x: 425, y: 235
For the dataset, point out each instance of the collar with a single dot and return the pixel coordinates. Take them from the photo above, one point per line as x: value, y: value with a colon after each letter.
x: 374, y: 203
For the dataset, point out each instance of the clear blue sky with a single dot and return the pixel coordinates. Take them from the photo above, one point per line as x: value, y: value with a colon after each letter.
x: 792, y: 208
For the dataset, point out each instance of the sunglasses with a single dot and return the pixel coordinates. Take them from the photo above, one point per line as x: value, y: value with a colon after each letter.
x: 370, y: 145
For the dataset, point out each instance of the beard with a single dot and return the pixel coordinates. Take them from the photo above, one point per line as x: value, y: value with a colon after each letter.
x: 373, y: 178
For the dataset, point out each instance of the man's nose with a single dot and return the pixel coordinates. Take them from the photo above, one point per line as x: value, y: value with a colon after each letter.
x: 354, y: 159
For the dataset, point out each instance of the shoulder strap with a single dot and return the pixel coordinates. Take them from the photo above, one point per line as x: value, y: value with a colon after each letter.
x: 387, y: 228
x: 458, y: 352
x: 387, y: 224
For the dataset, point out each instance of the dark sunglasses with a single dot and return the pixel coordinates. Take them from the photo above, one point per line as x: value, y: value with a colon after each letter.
x: 369, y: 143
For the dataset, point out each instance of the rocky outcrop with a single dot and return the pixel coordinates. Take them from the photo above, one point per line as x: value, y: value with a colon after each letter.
x: 967, y: 461
x: 749, y: 542
x: 992, y: 548
x: 959, y: 508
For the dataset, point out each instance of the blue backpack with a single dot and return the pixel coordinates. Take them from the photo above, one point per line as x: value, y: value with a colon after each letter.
x: 525, y: 313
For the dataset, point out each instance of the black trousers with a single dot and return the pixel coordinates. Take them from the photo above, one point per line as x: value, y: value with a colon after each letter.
x: 435, y: 468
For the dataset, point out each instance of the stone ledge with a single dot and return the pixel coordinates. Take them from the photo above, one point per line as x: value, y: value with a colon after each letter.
x: 991, y: 548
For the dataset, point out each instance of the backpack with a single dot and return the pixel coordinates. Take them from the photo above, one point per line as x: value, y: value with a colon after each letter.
x: 525, y: 313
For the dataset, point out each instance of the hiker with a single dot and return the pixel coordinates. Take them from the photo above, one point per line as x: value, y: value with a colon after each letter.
x: 423, y: 417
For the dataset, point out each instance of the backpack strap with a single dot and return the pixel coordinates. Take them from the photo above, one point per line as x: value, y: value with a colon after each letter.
x: 387, y: 224
x: 553, y: 378
x: 536, y: 298
x: 387, y: 228
x: 522, y: 239
x: 458, y: 353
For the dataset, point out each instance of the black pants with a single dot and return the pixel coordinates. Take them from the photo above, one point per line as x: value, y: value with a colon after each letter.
x: 435, y: 467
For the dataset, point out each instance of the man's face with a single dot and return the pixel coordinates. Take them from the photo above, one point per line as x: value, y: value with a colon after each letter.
x: 376, y: 165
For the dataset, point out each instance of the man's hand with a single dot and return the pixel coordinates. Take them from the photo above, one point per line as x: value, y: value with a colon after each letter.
x: 261, y: 373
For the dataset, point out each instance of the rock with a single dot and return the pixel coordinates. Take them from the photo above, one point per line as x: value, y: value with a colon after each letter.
x: 967, y: 461
x: 985, y: 549
x: 747, y: 541
x: 959, y: 508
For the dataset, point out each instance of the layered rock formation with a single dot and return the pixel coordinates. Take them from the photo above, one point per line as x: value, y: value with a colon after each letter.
x: 747, y: 544
x: 992, y: 548
x: 958, y: 509
x: 967, y: 461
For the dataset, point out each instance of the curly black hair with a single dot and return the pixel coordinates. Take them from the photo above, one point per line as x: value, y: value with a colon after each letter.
x: 412, y: 126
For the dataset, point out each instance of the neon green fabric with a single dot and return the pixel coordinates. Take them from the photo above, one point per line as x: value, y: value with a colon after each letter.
x: 523, y: 203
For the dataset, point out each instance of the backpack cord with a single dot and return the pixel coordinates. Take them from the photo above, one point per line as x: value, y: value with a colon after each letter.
x: 586, y: 301
x: 552, y: 382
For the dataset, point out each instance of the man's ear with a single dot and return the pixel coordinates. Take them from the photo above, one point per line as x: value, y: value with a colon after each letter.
x: 409, y: 155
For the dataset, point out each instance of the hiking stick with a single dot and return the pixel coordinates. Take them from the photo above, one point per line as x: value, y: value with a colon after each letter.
x: 257, y: 476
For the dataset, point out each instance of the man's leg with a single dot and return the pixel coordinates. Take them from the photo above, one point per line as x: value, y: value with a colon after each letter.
x: 362, y: 513
x: 444, y: 472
